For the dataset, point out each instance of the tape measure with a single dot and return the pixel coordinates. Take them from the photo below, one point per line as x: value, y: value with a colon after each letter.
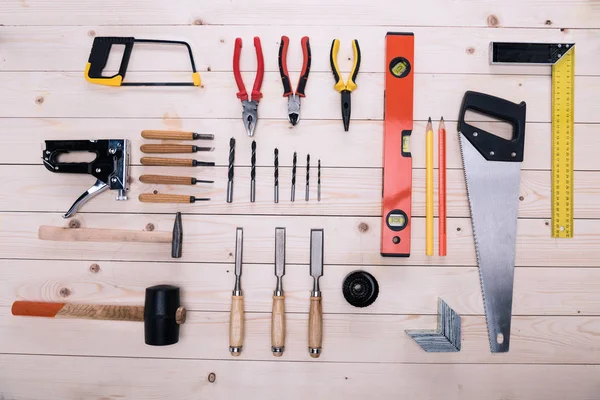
x: 561, y: 57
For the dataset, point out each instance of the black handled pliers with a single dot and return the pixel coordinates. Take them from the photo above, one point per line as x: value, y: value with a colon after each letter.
x: 345, y: 88
x: 294, y: 98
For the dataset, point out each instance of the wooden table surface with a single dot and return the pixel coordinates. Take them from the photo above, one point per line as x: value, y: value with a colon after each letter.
x: 44, y: 45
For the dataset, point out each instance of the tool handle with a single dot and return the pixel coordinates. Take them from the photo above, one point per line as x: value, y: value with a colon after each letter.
x: 351, y: 84
x: 305, y: 67
x: 61, y: 234
x: 237, y: 50
x: 168, y: 135
x: 283, y: 69
x: 236, y: 325
x: 333, y: 53
x: 260, y: 70
x: 167, y: 148
x: 82, y: 311
x: 167, y: 162
x: 315, y: 327
x: 167, y: 180
x: 165, y: 198
x: 278, y: 326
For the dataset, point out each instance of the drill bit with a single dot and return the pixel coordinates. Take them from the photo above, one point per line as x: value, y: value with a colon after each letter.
x: 230, y: 170
x: 319, y: 180
x: 253, y: 173
x: 306, y: 194
x: 276, y: 188
x: 293, y: 198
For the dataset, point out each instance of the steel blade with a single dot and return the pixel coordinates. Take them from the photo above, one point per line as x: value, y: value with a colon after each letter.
x: 493, y: 191
x: 316, y: 253
x: 239, y: 238
x: 279, y: 252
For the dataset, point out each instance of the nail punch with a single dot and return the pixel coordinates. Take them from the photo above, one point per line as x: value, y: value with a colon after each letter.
x: 110, y: 167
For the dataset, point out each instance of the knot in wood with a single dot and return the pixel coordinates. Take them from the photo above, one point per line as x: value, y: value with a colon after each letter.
x: 363, y: 227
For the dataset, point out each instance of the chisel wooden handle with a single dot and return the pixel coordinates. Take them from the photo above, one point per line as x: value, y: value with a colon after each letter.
x: 278, y: 326
x: 236, y: 325
x: 167, y: 180
x: 167, y: 162
x: 166, y: 198
x: 85, y: 311
x: 168, y: 135
x: 167, y: 148
x: 315, y: 327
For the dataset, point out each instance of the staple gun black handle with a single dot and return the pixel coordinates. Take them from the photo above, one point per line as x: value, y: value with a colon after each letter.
x: 101, y: 167
x: 99, y: 57
x: 490, y: 146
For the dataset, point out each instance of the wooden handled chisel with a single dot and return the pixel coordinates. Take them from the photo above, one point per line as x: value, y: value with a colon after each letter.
x: 169, y: 198
x: 315, y: 318
x: 171, y: 180
x: 236, y: 318
x: 174, y: 162
x: 176, y: 135
x: 172, y: 148
x: 278, y: 314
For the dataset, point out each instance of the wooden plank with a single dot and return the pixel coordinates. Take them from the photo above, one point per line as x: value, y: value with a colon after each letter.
x: 45, y: 94
x: 346, y: 338
x: 344, y: 191
x: 360, y: 147
x: 207, y: 287
x: 65, y: 48
x: 348, y: 240
x: 496, y: 13
x: 78, y: 377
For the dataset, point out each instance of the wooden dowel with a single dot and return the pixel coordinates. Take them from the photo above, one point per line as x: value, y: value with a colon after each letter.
x: 167, y: 135
x: 167, y: 162
x: 167, y: 148
x: 62, y: 234
x: 167, y: 180
x: 164, y: 198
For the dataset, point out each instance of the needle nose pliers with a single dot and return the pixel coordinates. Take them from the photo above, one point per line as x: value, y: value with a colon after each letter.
x: 294, y: 98
x: 345, y: 88
x: 249, y: 105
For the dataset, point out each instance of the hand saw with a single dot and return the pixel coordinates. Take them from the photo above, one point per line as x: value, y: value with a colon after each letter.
x: 492, y: 168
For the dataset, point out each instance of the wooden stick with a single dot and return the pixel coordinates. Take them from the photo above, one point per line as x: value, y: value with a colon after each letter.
x: 442, y: 187
x: 167, y: 180
x: 167, y: 135
x: 236, y: 324
x: 166, y: 198
x: 315, y: 326
x: 167, y: 162
x: 62, y: 234
x: 278, y: 326
x: 167, y: 148
x: 85, y: 311
x: 429, y: 190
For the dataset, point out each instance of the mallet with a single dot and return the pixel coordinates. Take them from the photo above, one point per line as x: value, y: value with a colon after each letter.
x: 161, y: 314
x: 65, y: 234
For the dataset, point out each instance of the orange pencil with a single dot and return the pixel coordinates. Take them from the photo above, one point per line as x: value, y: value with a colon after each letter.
x: 442, y: 186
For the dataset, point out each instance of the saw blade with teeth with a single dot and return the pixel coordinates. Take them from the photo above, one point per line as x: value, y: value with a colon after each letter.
x: 492, y: 167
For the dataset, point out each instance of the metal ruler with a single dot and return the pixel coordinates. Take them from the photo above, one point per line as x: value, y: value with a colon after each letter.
x: 561, y: 56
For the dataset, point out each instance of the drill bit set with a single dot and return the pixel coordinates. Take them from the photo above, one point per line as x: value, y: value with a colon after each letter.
x: 278, y: 326
x: 276, y: 175
x: 167, y: 148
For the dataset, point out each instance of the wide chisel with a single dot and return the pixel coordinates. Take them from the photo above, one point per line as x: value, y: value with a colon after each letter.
x: 236, y: 318
x: 315, y: 318
x: 278, y: 314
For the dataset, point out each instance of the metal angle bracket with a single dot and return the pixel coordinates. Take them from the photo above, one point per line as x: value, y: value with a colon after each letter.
x: 446, y: 338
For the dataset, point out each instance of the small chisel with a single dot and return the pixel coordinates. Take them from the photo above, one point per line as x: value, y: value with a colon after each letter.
x: 169, y: 198
x: 172, y: 148
x: 171, y: 180
x: 315, y: 318
x: 176, y: 135
x: 278, y: 313
x: 236, y: 318
x: 174, y: 162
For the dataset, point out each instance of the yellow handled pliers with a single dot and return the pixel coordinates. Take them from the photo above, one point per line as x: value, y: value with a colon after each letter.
x: 345, y: 88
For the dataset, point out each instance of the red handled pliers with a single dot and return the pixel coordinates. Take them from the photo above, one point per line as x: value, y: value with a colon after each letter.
x: 250, y: 106
x: 294, y: 98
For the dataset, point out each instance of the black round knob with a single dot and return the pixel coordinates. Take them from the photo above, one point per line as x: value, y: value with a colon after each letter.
x: 360, y: 289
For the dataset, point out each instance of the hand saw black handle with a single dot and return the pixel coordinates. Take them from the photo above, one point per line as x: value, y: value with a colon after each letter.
x: 99, y: 57
x: 490, y: 146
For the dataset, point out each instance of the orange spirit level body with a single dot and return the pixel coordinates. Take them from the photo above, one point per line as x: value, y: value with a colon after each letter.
x: 397, y: 160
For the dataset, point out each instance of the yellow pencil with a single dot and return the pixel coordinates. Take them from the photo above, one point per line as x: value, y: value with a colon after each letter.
x: 429, y: 189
